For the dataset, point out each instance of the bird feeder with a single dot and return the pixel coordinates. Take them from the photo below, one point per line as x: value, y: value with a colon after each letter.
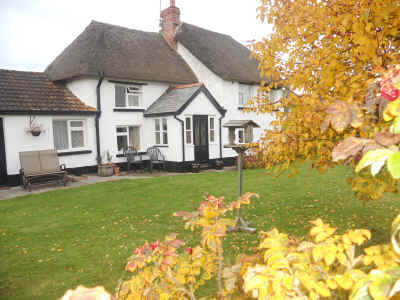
x: 244, y: 128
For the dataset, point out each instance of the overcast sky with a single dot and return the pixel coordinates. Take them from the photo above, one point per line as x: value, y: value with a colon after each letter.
x: 34, y: 32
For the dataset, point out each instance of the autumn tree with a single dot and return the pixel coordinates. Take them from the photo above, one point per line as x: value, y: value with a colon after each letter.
x: 327, y: 53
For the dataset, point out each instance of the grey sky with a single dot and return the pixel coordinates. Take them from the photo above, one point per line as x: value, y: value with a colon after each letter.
x: 34, y: 32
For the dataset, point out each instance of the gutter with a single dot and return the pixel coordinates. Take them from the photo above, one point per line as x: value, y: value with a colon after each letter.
x: 183, y: 137
x: 98, y: 115
x: 220, y: 134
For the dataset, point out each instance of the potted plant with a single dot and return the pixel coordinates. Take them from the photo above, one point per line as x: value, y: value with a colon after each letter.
x: 107, y: 169
x: 195, y: 167
x: 219, y: 164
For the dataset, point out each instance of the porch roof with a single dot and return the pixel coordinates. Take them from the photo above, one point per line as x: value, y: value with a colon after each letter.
x: 176, y: 99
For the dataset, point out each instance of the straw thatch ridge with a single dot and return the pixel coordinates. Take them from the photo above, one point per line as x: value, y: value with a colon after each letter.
x: 120, y: 53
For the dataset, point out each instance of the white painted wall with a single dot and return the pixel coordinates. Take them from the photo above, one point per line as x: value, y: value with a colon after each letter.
x: 85, y: 89
x: 227, y: 95
x: 17, y: 140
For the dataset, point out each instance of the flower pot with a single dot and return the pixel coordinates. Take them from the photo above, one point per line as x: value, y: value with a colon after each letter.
x: 36, y: 132
x: 116, y: 170
x: 105, y: 170
x: 219, y: 165
x: 195, y: 168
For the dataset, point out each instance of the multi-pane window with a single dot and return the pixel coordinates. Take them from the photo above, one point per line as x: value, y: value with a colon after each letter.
x: 188, y: 130
x: 161, y: 131
x: 245, y: 94
x: 128, y: 136
x: 212, y: 129
x: 68, y: 134
x: 128, y: 96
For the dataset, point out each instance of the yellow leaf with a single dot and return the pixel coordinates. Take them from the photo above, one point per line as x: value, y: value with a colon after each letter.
x: 331, y: 283
x: 344, y: 282
x: 330, y: 258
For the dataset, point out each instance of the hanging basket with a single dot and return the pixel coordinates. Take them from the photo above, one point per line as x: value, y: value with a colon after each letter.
x: 36, y: 131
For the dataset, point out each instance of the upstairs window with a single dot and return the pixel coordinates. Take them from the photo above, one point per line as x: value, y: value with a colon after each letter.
x: 161, y: 131
x: 68, y: 134
x: 245, y: 94
x: 128, y: 96
x: 275, y: 95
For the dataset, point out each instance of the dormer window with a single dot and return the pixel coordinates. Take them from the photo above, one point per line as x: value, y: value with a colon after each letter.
x: 245, y: 94
x: 128, y: 96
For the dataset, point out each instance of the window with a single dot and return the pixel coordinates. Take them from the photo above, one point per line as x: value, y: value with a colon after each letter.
x: 68, y: 134
x: 161, y: 131
x: 275, y: 94
x: 128, y: 136
x: 188, y: 130
x: 212, y: 129
x: 128, y: 97
x: 245, y: 94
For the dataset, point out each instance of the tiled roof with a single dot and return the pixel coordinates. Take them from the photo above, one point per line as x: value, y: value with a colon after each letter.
x: 174, y: 100
x: 27, y: 92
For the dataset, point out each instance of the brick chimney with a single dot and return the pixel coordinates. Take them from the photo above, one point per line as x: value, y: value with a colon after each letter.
x: 170, y: 21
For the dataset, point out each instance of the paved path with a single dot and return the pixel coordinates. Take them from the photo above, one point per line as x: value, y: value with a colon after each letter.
x: 8, y: 193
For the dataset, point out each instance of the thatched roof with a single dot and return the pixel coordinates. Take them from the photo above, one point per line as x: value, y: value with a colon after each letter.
x: 219, y: 52
x: 176, y: 99
x: 120, y: 53
x: 32, y: 92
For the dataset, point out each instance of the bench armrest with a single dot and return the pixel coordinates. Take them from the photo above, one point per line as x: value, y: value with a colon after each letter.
x: 63, y: 167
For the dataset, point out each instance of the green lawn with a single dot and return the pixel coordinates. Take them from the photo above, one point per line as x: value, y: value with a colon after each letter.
x: 54, y: 241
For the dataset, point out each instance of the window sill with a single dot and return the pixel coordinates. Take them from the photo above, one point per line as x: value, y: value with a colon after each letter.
x: 69, y: 153
x: 129, y: 110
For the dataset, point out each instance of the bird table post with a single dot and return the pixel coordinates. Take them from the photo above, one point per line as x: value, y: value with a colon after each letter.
x: 245, y: 130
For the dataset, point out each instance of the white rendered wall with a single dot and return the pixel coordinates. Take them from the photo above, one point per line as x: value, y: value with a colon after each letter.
x: 17, y: 140
x: 227, y: 95
x: 85, y: 89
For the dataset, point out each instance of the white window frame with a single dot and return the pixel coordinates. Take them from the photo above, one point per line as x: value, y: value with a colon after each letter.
x: 69, y: 134
x: 214, y: 130
x: 126, y: 134
x: 161, y: 131
x: 245, y: 91
x: 128, y: 93
x: 189, y: 130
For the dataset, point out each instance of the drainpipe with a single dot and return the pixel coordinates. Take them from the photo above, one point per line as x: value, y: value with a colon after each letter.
x: 98, y: 115
x: 183, y: 137
x: 220, y: 135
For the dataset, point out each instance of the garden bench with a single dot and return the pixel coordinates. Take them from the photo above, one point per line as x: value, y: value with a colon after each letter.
x: 41, y: 167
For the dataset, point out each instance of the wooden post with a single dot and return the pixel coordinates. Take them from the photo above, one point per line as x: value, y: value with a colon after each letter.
x: 241, y: 224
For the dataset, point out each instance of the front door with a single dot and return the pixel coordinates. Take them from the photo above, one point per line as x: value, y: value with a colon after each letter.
x: 3, y: 166
x: 200, y: 137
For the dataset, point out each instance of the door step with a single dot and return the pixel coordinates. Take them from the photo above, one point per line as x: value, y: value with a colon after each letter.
x: 197, y: 167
